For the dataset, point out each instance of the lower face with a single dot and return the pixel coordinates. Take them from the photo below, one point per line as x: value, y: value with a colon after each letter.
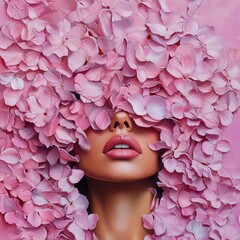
x: 113, y: 167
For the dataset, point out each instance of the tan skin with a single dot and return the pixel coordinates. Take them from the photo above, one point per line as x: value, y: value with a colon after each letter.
x: 119, y: 187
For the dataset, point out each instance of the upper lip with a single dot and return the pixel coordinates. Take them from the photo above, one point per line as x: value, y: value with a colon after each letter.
x: 122, y: 139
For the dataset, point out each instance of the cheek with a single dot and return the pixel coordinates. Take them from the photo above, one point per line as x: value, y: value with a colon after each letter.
x: 92, y: 161
x: 150, y: 163
x: 89, y: 160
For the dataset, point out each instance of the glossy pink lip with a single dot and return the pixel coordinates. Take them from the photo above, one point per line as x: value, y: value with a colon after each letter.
x: 123, y: 153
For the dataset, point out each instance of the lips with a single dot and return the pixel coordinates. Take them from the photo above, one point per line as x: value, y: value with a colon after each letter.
x: 122, y: 147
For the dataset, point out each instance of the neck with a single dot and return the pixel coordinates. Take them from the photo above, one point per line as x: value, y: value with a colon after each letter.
x: 120, y: 207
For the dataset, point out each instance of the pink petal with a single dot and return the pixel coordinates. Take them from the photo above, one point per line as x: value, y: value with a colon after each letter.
x: 76, y: 176
x: 47, y: 216
x: 183, y: 86
x: 198, y: 230
x: 196, y: 99
x: 62, y: 135
x: 178, y: 109
x: 147, y: 221
x: 214, y: 44
x: 156, y: 107
x: 225, y: 117
x: 34, y: 219
x: 92, y: 219
x: 77, y: 231
x: 66, y: 157
x: 157, y: 28
x: 223, y: 146
x: 142, y: 75
x: 95, y: 74
x: 11, y: 97
x: 158, y: 145
x: 184, y: 199
x: 159, y: 226
x: 17, y: 83
x: 65, y: 185
x: 102, y: 119
x: 208, y: 148
x: 233, y: 101
x: 56, y: 171
x: 188, y: 64
x: 105, y: 23
x: 25, y: 196
x: 174, y: 68
x: 10, y: 155
x: 76, y: 60
x: 38, y: 199
x: 138, y: 104
x: 39, y: 233
x: 202, y: 72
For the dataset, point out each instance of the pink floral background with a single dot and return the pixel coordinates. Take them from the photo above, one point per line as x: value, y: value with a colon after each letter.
x: 69, y: 65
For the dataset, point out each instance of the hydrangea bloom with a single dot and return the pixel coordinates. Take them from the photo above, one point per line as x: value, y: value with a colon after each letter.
x: 69, y: 65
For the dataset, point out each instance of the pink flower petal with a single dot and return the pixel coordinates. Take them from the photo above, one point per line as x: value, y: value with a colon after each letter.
x: 11, y: 97
x: 10, y: 155
x: 223, y: 146
x: 184, y: 199
x: 76, y: 60
x: 102, y: 119
x: 202, y: 72
x: 76, y: 176
x: 156, y: 107
x: 138, y: 104
x: 77, y: 231
x: 34, y: 219
x: 208, y: 148
x: 225, y: 117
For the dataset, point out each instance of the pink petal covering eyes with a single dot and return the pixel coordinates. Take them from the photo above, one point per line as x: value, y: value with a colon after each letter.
x: 172, y: 65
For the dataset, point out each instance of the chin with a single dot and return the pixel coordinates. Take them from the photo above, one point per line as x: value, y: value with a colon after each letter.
x: 121, y: 176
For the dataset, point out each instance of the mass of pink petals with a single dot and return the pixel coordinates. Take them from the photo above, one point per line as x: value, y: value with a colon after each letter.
x: 69, y: 65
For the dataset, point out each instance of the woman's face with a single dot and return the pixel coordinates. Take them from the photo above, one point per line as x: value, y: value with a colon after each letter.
x: 120, y: 153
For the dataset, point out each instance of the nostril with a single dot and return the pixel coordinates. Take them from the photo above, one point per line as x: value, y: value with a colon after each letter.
x: 116, y: 124
x: 126, y: 124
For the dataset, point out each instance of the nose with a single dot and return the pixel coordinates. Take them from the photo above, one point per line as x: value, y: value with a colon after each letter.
x: 121, y: 120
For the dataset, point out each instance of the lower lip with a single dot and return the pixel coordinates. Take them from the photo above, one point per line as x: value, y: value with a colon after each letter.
x: 122, y: 153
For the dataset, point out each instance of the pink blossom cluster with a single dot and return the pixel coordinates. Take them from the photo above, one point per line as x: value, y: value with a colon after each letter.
x: 69, y: 65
